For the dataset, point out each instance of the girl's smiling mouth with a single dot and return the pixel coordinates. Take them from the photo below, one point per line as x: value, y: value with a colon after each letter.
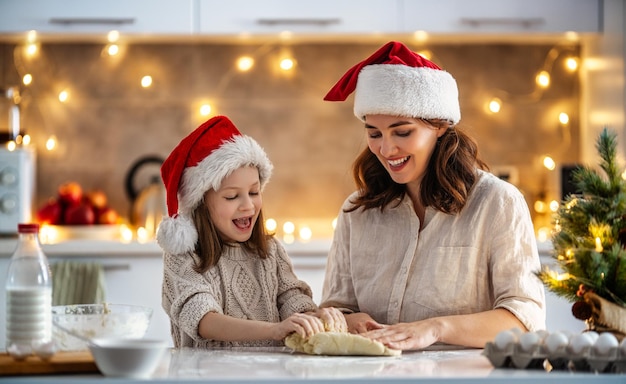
x: 243, y: 223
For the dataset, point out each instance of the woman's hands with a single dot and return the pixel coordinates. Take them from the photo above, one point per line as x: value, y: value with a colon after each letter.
x: 361, y: 323
x: 405, y: 336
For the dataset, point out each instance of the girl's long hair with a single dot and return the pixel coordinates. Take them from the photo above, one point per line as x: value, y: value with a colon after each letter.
x: 210, y: 245
x: 450, y: 174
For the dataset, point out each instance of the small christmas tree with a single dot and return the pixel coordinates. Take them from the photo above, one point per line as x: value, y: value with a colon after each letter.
x: 590, y: 236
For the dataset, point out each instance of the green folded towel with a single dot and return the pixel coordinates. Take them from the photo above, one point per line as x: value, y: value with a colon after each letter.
x: 75, y: 282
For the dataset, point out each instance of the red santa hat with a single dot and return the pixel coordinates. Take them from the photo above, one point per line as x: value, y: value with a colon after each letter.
x: 200, y: 162
x: 397, y: 81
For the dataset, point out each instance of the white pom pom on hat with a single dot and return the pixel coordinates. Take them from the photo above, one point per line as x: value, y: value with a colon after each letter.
x: 397, y: 81
x: 198, y: 163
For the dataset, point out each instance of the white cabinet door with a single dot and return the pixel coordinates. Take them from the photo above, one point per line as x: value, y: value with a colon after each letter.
x: 317, y: 17
x: 93, y: 16
x: 501, y: 16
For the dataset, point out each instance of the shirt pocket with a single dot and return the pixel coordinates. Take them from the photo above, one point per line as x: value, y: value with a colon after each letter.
x: 452, y: 281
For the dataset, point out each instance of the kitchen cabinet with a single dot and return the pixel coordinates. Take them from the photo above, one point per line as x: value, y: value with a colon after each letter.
x: 320, y: 17
x: 88, y: 17
x: 502, y: 16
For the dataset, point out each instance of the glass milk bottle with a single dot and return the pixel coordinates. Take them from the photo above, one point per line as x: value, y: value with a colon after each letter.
x: 29, y: 296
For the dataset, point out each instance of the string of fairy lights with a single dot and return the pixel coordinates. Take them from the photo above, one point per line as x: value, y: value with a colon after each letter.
x: 286, y: 63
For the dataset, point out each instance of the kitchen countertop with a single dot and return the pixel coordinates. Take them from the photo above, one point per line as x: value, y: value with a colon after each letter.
x: 280, y: 365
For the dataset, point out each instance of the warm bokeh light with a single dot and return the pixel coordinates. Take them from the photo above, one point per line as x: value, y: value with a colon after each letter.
x: 27, y: 79
x: 425, y: 54
x: 563, y: 118
x: 11, y: 145
x: 543, y: 79
x: 126, y: 234
x: 543, y: 234
x: 571, y: 64
x: 143, y: 235
x: 31, y: 49
x: 64, y: 96
x: 31, y: 37
x: 245, y: 63
x: 554, y: 206
x: 271, y: 225
x: 287, y: 64
x: 51, y: 143
x: 113, y: 36
x: 334, y: 223
x: 494, y: 105
x: 420, y: 36
x: 305, y: 233
x: 146, y: 81
x: 205, y: 110
x: 113, y: 49
x: 540, y: 206
x: 549, y: 163
x: 26, y: 140
x: 289, y: 227
x: 289, y: 238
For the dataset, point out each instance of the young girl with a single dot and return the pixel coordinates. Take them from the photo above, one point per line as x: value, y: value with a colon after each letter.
x: 225, y: 281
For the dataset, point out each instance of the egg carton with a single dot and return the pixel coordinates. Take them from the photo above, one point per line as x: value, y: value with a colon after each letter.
x: 563, y: 358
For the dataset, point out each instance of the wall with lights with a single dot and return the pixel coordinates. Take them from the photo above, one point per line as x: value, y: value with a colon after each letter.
x: 91, y: 110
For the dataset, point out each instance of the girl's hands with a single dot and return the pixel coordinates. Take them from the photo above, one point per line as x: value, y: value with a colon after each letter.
x: 303, y: 324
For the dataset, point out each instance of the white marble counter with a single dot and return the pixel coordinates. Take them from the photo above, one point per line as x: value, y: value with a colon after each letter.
x: 279, y: 365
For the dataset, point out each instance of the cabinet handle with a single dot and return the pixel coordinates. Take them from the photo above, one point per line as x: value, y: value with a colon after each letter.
x: 116, y: 267
x: 289, y: 21
x: 91, y: 20
x: 503, y: 21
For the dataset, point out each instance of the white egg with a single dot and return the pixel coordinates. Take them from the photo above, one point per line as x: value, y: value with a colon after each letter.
x: 593, y: 335
x: 529, y: 340
x: 556, y: 340
x: 542, y: 334
x: 504, y: 339
x: 580, y: 342
x: 606, y: 341
x: 622, y: 346
x: 518, y: 332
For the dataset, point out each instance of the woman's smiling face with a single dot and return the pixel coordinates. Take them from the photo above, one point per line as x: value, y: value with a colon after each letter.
x: 235, y: 206
x: 403, y: 145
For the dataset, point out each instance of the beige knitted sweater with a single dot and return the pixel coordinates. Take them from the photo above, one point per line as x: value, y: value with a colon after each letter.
x: 241, y: 285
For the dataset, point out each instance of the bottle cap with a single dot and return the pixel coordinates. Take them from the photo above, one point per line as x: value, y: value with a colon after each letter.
x: 28, y: 228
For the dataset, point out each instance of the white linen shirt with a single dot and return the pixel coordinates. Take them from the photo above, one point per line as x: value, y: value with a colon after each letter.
x: 484, y: 257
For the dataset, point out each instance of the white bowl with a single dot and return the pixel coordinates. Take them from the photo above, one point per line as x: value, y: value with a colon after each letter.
x: 91, y: 321
x: 134, y: 358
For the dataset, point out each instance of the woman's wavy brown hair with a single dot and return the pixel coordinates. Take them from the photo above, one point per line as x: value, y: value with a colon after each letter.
x: 210, y: 245
x: 450, y: 174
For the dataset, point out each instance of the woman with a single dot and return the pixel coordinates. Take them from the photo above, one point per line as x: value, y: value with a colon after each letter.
x: 431, y: 248
x: 225, y: 281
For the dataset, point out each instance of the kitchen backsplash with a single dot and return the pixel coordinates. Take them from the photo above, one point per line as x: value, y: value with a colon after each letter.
x: 109, y: 121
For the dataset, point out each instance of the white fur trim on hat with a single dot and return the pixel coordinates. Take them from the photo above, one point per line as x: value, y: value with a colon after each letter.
x: 178, y: 234
x: 400, y: 90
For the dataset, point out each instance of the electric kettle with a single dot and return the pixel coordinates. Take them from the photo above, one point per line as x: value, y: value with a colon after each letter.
x: 148, y: 203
